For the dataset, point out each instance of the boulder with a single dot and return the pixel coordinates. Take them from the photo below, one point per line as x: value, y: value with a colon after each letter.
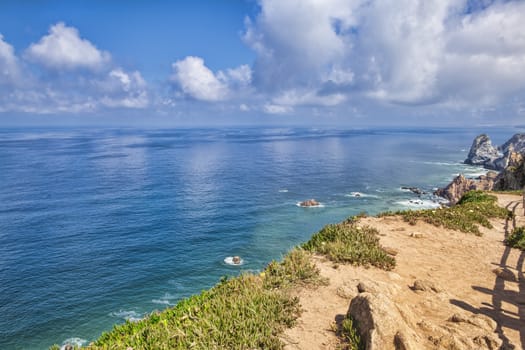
x: 425, y: 286
x: 482, y: 152
x: 380, y: 323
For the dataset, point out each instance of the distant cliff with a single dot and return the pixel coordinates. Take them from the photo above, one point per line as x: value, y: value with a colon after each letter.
x: 483, y: 153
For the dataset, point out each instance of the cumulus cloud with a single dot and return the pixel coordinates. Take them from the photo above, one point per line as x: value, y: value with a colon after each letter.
x: 196, y: 80
x: 410, y: 52
x: 9, y: 67
x: 101, y: 86
x: 123, y: 89
x: 63, y: 48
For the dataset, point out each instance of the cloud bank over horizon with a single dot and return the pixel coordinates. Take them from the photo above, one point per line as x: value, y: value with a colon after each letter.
x: 351, y: 57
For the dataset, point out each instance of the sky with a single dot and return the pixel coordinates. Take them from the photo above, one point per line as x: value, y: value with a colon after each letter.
x: 266, y: 62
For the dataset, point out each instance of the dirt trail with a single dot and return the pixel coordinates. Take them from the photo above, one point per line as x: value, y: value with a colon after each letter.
x: 460, y: 265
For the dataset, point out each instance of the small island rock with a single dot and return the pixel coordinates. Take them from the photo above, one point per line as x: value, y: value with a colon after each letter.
x: 309, y: 203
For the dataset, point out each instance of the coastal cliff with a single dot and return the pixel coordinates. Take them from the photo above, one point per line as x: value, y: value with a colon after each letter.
x: 508, y: 161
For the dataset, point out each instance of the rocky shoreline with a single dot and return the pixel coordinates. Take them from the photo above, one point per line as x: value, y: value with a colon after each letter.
x: 506, y: 165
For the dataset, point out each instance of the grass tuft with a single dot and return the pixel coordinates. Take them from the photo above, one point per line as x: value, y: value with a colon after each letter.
x: 517, y: 238
x: 350, y: 243
x: 348, y: 332
x: 296, y: 268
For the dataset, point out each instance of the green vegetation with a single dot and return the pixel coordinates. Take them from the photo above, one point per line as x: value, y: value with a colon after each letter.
x: 347, y: 331
x: 349, y: 243
x: 517, y: 238
x: 296, y: 268
x: 474, y: 208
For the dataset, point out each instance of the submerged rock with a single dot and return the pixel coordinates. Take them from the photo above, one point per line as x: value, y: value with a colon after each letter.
x: 414, y: 190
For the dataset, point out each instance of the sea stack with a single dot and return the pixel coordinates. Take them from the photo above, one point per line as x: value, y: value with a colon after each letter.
x: 482, y: 152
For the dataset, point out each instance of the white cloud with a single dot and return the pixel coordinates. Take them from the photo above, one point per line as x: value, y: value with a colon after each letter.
x: 63, y: 48
x: 78, y: 91
x: 123, y: 89
x: 295, y: 97
x: 9, y: 67
x: 196, y: 80
x: 409, y: 52
x: 271, y: 108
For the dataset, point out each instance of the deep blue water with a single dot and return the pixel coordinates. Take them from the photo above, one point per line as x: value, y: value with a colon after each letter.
x: 99, y: 226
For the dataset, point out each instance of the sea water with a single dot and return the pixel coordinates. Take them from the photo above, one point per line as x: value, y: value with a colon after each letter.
x: 101, y: 226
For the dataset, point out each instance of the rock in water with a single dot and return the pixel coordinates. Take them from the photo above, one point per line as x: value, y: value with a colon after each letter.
x: 236, y: 260
x: 482, y: 152
x: 309, y: 203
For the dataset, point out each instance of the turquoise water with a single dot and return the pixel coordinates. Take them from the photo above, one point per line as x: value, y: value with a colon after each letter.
x: 99, y: 226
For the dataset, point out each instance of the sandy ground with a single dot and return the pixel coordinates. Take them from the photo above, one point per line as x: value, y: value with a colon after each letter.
x: 460, y: 264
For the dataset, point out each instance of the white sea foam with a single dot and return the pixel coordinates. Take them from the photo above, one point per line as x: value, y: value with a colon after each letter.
x: 419, y: 203
x: 440, y: 163
x: 75, y: 341
x: 166, y: 299
x: 284, y: 190
x: 320, y: 205
x: 128, y: 315
x: 229, y: 260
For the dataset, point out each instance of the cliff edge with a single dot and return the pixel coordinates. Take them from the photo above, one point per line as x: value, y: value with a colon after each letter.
x: 449, y: 290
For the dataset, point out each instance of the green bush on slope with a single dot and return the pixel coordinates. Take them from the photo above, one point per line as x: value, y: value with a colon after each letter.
x: 516, y: 238
x: 473, y: 209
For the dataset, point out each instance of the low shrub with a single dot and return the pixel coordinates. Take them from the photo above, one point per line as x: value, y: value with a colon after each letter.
x: 350, y: 243
x: 474, y: 208
x: 517, y: 238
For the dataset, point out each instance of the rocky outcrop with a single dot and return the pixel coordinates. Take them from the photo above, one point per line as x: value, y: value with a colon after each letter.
x: 381, y: 324
x: 461, y: 185
x: 384, y: 323
x: 513, y: 177
x: 483, y: 153
x: 516, y: 144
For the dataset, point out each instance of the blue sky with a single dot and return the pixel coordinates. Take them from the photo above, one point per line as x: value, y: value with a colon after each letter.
x: 293, y: 62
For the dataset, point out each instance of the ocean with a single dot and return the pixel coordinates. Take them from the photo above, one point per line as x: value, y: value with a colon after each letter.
x: 99, y: 226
